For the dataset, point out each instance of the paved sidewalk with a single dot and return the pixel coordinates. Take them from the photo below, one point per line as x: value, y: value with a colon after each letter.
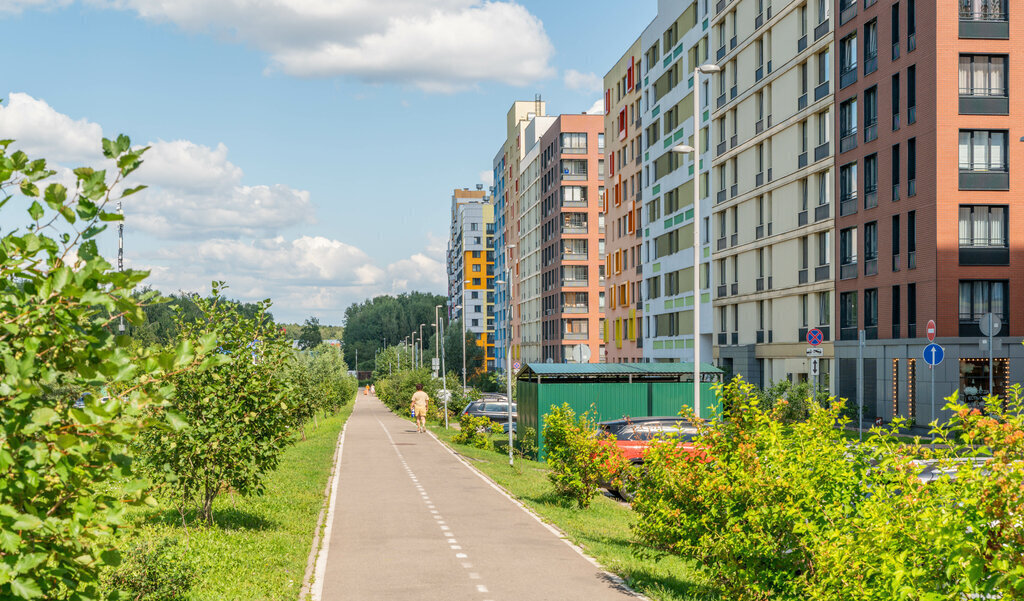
x: 412, y: 522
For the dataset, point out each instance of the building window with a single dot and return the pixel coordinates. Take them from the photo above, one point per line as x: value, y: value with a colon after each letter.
x: 848, y: 316
x: 574, y: 143
x: 895, y: 30
x: 983, y: 75
x: 824, y: 249
x: 895, y: 242
x: 895, y: 169
x: 824, y: 67
x: 848, y: 60
x: 983, y: 10
x: 895, y: 102
x: 983, y: 150
x: 848, y: 189
x: 984, y: 226
x: 912, y: 94
x: 574, y: 195
x: 871, y: 181
x: 871, y: 248
x: 824, y: 308
x: 911, y: 239
x: 871, y: 46
x: 574, y: 168
x: 600, y: 142
x: 871, y: 113
x: 871, y: 313
x: 911, y: 310
x: 978, y: 297
x: 848, y: 253
x: 848, y: 125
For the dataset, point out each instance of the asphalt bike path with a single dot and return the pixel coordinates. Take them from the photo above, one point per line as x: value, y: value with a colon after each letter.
x: 412, y: 522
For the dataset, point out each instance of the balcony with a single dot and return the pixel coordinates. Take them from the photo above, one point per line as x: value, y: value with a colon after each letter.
x: 870, y: 64
x: 575, y: 336
x: 734, y: 239
x: 848, y: 140
x: 845, y: 14
x: 821, y: 91
x: 871, y: 132
x: 575, y: 283
x: 821, y: 30
x: 801, y: 44
x: 801, y: 103
x: 984, y: 102
x: 848, y: 204
x: 821, y: 152
x: 801, y: 160
x: 573, y: 150
x: 895, y: 263
x: 989, y: 21
x: 848, y: 75
x: 574, y: 229
x: 825, y: 332
x: 848, y: 333
x: 870, y: 197
x: 801, y: 218
x: 801, y: 276
x: 574, y: 309
x: 734, y: 190
x: 574, y: 256
x: 848, y: 271
x: 722, y: 291
x: 821, y: 212
x: 723, y: 339
x: 734, y: 289
x: 759, y: 179
x: 721, y: 244
x: 978, y: 178
x: 720, y: 196
x: 871, y: 267
x: 574, y: 204
x: 970, y: 325
x: 983, y: 255
x: 912, y: 259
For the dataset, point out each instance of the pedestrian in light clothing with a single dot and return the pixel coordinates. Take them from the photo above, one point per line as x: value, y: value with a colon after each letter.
x: 418, y: 407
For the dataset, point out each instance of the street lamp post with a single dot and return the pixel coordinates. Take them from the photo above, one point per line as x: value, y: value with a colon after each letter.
x: 463, y: 314
x: 421, y: 343
x: 508, y: 355
x: 697, y: 227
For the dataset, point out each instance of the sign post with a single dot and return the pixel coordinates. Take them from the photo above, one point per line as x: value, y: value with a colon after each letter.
x: 933, y: 354
x: 990, y: 325
x: 860, y: 384
x: 814, y: 338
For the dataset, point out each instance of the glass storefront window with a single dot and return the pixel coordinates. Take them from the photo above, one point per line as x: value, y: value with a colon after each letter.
x: 974, y: 380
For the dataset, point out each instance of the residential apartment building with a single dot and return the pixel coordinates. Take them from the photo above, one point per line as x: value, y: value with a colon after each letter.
x: 529, y: 311
x: 926, y: 88
x: 773, y: 171
x: 622, y: 197
x: 673, y: 44
x: 506, y: 169
x: 572, y: 239
x: 471, y: 267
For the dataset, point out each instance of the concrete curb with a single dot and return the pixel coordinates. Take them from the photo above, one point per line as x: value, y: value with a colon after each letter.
x: 326, y: 512
x: 616, y: 579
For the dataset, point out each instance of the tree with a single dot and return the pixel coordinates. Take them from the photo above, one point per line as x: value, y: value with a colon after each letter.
x: 386, y: 320
x: 239, y: 415
x: 453, y: 350
x: 310, y: 336
x: 66, y: 476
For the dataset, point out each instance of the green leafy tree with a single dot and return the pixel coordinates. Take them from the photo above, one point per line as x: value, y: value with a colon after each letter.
x: 579, y: 460
x: 453, y: 350
x: 66, y: 477
x: 239, y: 415
x: 310, y: 336
x: 385, y: 320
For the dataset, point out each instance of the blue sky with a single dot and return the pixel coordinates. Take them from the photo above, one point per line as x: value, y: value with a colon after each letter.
x: 305, y: 151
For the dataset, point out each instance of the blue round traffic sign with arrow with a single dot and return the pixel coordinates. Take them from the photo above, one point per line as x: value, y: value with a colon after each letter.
x: 933, y: 354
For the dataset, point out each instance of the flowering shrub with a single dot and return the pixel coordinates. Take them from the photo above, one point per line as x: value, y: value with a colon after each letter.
x: 579, y: 460
x: 794, y: 511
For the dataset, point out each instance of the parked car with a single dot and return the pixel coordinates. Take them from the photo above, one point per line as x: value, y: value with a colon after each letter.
x: 496, y: 411
x: 632, y: 437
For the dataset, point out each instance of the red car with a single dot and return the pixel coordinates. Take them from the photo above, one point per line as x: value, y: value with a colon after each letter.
x: 633, y: 436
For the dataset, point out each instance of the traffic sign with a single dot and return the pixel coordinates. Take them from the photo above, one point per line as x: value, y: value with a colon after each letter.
x: 987, y: 320
x: 933, y: 354
x: 516, y: 365
x: 815, y: 337
x: 930, y: 330
x: 815, y: 351
x: 814, y: 366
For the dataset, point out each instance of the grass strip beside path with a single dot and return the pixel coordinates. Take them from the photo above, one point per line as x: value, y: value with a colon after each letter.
x: 601, y: 530
x: 258, y: 547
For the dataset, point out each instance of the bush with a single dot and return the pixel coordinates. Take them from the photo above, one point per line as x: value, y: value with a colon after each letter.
x: 67, y: 477
x: 239, y: 415
x: 795, y: 511
x: 153, y: 570
x: 476, y: 431
x: 526, y: 443
x: 578, y: 459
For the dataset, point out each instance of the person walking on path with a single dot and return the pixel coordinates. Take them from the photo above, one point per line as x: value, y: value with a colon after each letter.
x: 418, y: 406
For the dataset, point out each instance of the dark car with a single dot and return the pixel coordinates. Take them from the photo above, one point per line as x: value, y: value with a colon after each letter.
x: 496, y: 411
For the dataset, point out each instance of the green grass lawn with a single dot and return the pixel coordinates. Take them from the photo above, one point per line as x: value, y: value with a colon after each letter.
x: 259, y: 546
x: 602, y: 530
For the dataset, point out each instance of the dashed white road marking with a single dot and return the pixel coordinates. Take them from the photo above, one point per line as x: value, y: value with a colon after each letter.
x: 439, y: 520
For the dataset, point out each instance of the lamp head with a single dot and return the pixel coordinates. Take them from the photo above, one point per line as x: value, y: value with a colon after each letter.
x: 709, y: 68
x: 682, y: 148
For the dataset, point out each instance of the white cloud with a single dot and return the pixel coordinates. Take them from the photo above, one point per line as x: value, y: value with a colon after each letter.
x: 194, y: 190
x: 487, y: 178
x: 584, y: 82
x: 597, y: 108
x: 16, y: 6
x: 441, y: 45
x: 41, y: 131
